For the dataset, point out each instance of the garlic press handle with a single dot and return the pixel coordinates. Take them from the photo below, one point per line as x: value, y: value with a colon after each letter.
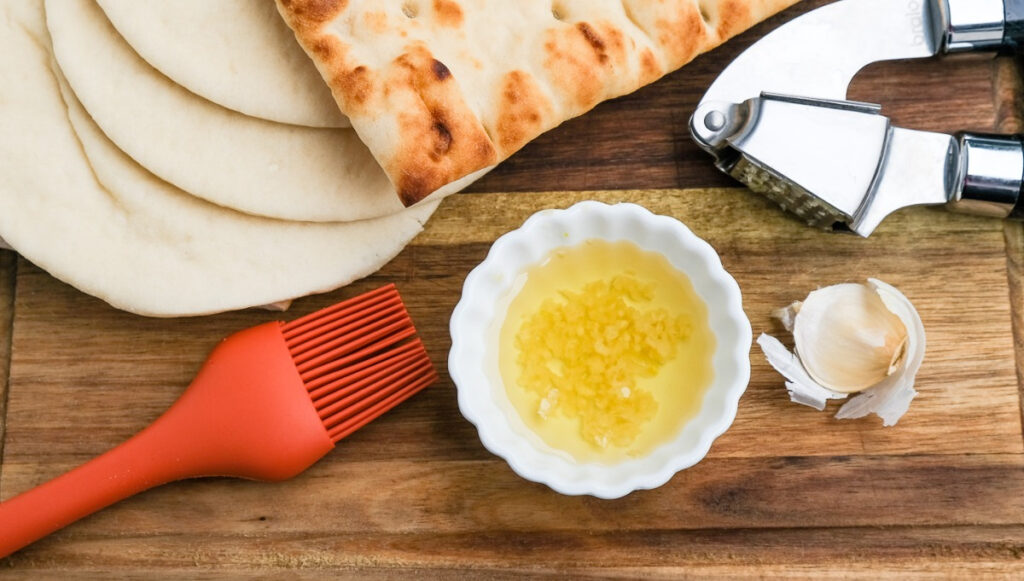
x: 1013, y: 33
x: 983, y: 24
x: 991, y: 176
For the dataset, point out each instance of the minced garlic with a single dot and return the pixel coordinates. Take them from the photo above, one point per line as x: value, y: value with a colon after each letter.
x: 584, y: 354
x: 605, y: 350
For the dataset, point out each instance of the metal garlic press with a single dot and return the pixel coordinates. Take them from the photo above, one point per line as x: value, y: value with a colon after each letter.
x: 777, y: 118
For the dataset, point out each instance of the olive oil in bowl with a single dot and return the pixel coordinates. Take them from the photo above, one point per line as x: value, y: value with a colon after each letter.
x: 605, y: 350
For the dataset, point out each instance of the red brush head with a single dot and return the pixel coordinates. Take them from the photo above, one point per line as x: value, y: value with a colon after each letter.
x: 358, y: 359
x: 248, y: 411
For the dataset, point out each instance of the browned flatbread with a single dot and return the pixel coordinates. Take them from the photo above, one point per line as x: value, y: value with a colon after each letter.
x: 441, y: 88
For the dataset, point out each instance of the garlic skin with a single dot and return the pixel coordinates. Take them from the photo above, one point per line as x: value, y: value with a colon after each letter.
x: 850, y: 338
x: 802, y: 389
x: 847, y: 339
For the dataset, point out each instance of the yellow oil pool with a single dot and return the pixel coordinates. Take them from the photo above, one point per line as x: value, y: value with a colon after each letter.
x: 605, y: 350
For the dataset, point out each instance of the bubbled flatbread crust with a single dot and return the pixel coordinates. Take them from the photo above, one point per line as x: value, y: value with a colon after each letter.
x: 441, y: 88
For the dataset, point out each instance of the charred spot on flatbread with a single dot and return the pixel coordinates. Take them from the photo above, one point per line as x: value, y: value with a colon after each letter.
x: 448, y: 13
x: 734, y: 16
x: 442, y: 141
x: 455, y: 86
x: 311, y: 13
x: 580, y: 60
x: 523, y: 110
x: 440, y: 70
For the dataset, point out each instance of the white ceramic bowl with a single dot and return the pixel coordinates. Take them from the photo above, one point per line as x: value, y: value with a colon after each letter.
x: 473, y: 359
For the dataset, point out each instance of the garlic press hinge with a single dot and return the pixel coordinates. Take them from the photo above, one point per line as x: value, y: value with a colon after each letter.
x: 817, y: 158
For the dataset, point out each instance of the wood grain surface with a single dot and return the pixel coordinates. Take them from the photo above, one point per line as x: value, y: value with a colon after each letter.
x: 787, y: 492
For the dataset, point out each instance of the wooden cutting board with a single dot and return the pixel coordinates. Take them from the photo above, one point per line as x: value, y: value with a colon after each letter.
x: 787, y: 491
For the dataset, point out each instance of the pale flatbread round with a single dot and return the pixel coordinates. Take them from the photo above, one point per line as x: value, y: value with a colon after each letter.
x: 233, y: 160
x: 237, y: 53
x: 150, y: 249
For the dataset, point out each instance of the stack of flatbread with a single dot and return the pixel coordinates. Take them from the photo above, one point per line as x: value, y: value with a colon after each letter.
x: 188, y: 157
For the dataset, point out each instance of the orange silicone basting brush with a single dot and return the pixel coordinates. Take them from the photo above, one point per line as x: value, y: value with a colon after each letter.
x: 268, y: 403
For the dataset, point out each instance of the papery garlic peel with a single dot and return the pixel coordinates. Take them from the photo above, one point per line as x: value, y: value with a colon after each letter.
x: 849, y: 338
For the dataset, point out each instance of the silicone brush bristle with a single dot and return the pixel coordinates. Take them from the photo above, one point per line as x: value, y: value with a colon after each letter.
x: 358, y: 359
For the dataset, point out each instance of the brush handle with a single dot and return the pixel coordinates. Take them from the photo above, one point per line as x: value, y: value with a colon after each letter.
x: 136, y: 465
x: 246, y: 414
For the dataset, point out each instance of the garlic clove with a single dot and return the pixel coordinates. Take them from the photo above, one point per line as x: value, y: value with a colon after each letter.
x: 890, y: 397
x: 847, y: 338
